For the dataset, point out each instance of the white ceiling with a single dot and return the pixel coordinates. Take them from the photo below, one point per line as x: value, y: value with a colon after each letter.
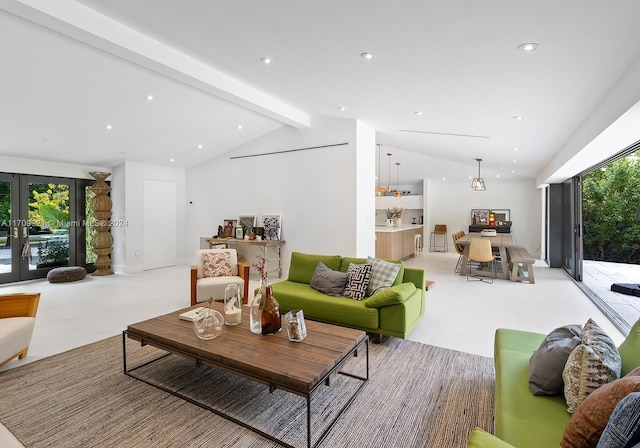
x: 68, y: 70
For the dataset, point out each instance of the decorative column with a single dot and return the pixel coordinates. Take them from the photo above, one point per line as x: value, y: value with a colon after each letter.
x: 101, y: 241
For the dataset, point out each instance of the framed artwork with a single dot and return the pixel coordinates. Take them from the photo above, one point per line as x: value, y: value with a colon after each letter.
x: 502, y: 215
x: 480, y: 216
x: 227, y: 231
x: 247, y: 222
x: 230, y: 222
x: 239, y: 232
x: 272, y: 225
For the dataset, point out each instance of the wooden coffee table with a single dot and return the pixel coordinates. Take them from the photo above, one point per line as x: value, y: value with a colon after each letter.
x: 298, y: 368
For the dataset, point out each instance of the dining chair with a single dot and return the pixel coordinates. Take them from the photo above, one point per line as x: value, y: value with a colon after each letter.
x: 439, y: 230
x: 480, y: 251
x: 459, y: 249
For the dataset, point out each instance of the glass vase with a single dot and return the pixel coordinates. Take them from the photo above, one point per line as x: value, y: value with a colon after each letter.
x: 232, y: 305
x: 208, y: 324
x: 255, y: 310
x: 271, y: 320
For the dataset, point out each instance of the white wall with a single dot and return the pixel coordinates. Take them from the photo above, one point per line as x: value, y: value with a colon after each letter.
x: 314, y: 190
x: 451, y: 203
x: 44, y: 168
x: 128, y: 198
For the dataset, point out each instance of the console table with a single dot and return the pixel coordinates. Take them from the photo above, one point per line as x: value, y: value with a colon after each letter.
x: 267, y: 247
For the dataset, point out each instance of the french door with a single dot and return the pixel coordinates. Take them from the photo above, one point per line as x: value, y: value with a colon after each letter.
x: 38, y: 225
x: 572, y: 227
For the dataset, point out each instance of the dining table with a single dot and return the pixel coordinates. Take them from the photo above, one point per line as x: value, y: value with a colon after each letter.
x: 500, y: 241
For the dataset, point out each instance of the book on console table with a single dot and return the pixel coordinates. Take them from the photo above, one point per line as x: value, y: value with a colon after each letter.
x: 191, y: 315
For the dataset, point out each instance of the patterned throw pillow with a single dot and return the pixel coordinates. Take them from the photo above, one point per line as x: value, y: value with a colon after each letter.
x: 383, y: 274
x: 357, y: 281
x: 591, y: 364
x: 591, y: 418
x: 216, y: 264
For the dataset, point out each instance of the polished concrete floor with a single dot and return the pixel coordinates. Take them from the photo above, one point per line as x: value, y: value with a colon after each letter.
x: 459, y: 315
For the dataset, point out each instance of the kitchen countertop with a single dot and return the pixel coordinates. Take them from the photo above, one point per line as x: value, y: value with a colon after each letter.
x: 384, y: 228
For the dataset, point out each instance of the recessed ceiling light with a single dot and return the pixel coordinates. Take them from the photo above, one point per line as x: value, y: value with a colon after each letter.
x: 368, y: 56
x: 199, y: 146
x: 513, y: 171
x: 149, y: 97
x: 529, y: 46
x: 518, y: 117
x: 514, y: 160
x: 108, y: 127
x: 266, y: 61
x: 172, y: 160
x: 419, y: 112
x: 444, y: 178
x: 497, y: 175
x: 515, y: 149
x: 239, y: 127
x: 342, y: 108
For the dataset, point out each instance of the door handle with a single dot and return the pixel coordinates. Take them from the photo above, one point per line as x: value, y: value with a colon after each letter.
x: 25, y: 233
x: 15, y: 232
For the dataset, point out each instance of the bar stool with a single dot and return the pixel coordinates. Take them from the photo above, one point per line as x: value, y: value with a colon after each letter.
x: 439, y: 230
x: 418, y: 242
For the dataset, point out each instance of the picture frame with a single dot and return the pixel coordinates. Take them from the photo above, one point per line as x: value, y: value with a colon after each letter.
x: 247, y: 222
x: 272, y: 225
x: 480, y: 216
x: 502, y: 214
x: 231, y: 222
x: 227, y: 231
x: 239, y: 232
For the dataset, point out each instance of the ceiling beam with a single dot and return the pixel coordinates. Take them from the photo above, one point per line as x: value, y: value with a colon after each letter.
x: 88, y: 26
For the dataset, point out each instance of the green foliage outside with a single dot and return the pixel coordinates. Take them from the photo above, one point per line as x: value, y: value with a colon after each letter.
x: 610, y: 199
x: 90, y: 254
x: 49, y: 206
x: 5, y: 204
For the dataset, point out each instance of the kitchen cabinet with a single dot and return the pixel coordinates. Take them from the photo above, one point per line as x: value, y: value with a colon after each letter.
x: 396, y: 243
x: 410, y: 202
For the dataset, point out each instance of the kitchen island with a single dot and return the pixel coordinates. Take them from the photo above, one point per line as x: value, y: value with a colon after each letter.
x: 397, y: 243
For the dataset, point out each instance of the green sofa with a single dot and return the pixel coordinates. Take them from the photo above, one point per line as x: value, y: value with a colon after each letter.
x: 391, y: 312
x: 524, y: 420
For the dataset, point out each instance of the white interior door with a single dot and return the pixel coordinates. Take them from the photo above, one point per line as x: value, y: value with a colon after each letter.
x: 160, y: 224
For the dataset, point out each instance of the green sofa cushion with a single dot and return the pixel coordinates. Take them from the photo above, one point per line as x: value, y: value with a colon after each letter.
x: 629, y: 350
x: 482, y: 439
x: 346, y: 260
x: 303, y: 265
x: 319, y: 306
x: 522, y: 419
x: 390, y: 296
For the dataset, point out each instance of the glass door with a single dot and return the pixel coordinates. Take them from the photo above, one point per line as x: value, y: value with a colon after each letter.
x: 38, y: 215
x: 9, y: 231
x: 572, y: 227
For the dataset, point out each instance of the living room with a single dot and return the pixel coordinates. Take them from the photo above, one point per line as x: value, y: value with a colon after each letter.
x: 320, y: 176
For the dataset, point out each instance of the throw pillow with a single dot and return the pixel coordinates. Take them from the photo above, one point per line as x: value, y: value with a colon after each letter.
x: 547, y: 363
x: 588, y: 422
x: 216, y: 264
x: 328, y: 281
x: 383, y: 273
x: 629, y: 350
x: 358, y: 279
x: 591, y: 364
x: 623, y: 427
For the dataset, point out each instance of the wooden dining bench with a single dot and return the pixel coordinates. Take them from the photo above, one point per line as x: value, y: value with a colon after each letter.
x: 521, y: 263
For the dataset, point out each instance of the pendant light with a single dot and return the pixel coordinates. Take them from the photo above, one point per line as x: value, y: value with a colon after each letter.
x: 397, y: 193
x: 379, y: 188
x: 388, y: 189
x: 477, y: 183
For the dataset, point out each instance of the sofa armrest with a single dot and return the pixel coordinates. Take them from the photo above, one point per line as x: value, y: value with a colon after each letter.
x: 243, y: 272
x: 482, y: 439
x: 390, y: 296
x: 19, y: 304
x: 194, y: 280
x: 415, y: 276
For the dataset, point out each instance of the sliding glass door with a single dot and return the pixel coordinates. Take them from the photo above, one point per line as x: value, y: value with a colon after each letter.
x: 572, y: 227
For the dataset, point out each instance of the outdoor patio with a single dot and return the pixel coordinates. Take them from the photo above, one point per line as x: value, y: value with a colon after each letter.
x: 598, y: 276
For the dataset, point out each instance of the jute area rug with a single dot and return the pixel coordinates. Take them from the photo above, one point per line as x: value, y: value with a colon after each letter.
x: 418, y: 396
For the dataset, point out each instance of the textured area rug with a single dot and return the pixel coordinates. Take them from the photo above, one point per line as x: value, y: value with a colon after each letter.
x: 417, y: 396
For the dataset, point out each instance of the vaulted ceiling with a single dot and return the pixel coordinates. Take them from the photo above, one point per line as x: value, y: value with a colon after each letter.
x: 443, y: 88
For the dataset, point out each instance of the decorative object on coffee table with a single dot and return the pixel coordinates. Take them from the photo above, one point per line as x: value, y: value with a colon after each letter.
x: 271, y: 319
x: 101, y: 241
x: 208, y: 322
x: 232, y: 305
x: 296, y: 328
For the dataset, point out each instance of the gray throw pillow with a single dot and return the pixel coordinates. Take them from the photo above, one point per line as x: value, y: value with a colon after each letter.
x: 328, y: 281
x: 547, y: 363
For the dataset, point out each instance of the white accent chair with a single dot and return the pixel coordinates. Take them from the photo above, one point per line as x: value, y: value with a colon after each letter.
x: 204, y: 287
x: 17, y: 321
